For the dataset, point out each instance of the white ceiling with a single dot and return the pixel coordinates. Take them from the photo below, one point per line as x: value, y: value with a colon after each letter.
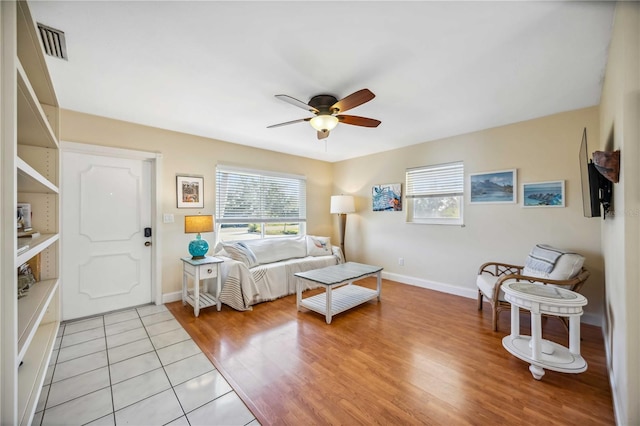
x: 437, y: 68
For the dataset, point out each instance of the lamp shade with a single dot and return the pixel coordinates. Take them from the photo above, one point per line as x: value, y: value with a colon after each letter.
x: 324, y: 122
x: 198, y: 223
x: 342, y: 204
x: 198, y: 248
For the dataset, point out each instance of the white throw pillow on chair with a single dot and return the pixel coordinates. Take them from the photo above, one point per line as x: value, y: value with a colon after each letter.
x: 567, y: 266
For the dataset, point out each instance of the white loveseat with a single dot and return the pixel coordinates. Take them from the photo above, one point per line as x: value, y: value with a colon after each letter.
x: 262, y: 270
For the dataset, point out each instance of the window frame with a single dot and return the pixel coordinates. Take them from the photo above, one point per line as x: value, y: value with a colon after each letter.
x: 418, y: 188
x: 262, y: 220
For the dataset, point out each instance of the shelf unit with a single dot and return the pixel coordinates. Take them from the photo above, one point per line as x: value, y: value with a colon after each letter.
x: 30, y: 174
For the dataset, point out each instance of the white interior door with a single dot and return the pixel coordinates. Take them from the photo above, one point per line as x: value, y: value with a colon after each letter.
x: 106, y: 204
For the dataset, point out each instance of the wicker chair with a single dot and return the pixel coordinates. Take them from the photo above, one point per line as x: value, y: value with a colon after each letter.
x: 492, y: 275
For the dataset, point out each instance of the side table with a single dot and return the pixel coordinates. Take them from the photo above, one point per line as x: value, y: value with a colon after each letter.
x: 200, y: 269
x: 540, y: 353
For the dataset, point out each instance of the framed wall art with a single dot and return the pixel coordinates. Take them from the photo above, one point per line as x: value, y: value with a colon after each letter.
x: 543, y: 194
x: 493, y: 187
x: 387, y: 197
x: 190, y: 192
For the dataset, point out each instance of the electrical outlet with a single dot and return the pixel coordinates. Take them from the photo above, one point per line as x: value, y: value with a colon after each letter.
x: 401, y: 261
x: 167, y: 218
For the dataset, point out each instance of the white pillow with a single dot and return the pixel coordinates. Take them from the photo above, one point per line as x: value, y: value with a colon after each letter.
x: 269, y: 250
x: 567, y: 266
x: 240, y: 252
x: 318, y: 246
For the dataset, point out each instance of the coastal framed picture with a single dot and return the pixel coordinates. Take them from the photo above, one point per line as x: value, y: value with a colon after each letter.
x: 387, y: 197
x: 493, y: 187
x: 543, y: 194
x: 189, y: 192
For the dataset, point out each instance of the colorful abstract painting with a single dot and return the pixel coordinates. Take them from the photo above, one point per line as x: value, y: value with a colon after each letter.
x: 387, y: 197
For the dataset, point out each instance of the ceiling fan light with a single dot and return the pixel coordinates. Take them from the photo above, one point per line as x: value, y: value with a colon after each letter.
x: 323, y: 123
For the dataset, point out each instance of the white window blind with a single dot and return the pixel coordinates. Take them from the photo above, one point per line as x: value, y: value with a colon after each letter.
x: 443, y: 180
x: 435, y: 194
x: 251, y: 196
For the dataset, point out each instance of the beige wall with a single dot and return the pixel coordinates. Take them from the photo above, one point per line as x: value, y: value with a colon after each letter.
x: 447, y: 257
x: 619, y: 118
x: 182, y: 153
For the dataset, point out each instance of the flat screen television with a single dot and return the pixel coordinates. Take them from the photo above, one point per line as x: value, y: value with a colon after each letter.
x: 596, y: 189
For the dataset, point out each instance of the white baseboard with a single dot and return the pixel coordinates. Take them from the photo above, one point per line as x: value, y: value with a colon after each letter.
x: 432, y: 285
x: 587, y: 318
x: 171, y: 297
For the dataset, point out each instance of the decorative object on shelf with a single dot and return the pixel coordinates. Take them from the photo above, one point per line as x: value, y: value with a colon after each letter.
x: 493, y: 187
x: 543, y: 194
x: 22, y: 247
x: 35, y: 263
x: 341, y: 205
x: 196, y: 224
x: 31, y: 233
x: 608, y: 164
x: 387, y: 197
x: 190, y: 192
x: 24, y: 216
x: 25, y: 279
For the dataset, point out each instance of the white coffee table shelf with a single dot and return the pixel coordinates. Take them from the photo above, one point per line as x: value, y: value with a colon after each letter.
x: 342, y: 299
x: 340, y: 292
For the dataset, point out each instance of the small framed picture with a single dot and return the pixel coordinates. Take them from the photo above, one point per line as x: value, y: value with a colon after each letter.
x: 190, y: 192
x: 493, y: 187
x: 543, y: 194
x: 387, y: 197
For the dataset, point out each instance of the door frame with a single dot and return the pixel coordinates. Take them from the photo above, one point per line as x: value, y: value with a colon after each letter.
x: 156, y: 196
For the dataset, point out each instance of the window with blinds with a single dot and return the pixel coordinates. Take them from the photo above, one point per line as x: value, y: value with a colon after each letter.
x: 435, y: 194
x: 259, y: 204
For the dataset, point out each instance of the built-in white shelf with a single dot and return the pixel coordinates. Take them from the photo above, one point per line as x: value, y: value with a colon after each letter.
x: 30, y: 180
x: 33, y: 125
x: 33, y: 369
x: 36, y: 245
x: 31, y: 310
x: 32, y: 57
x: 31, y: 173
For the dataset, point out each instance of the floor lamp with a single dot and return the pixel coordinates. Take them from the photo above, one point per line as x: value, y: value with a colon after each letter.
x: 341, y: 205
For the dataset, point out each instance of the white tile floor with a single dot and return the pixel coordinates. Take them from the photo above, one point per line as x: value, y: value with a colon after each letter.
x: 134, y: 367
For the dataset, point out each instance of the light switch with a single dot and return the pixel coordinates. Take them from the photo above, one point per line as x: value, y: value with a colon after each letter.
x: 167, y: 218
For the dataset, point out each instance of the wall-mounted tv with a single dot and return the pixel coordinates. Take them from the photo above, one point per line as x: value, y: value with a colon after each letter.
x: 596, y: 189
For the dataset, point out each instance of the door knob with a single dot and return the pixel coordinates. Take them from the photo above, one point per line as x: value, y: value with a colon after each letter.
x: 147, y: 243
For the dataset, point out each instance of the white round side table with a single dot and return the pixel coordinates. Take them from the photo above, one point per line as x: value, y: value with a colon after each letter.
x: 544, y: 299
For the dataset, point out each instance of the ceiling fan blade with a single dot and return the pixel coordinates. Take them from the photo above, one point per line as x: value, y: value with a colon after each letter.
x: 288, y: 122
x: 296, y: 102
x: 359, y: 121
x: 353, y: 100
x: 323, y: 134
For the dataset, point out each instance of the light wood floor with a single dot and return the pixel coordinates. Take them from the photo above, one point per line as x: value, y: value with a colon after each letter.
x: 417, y: 357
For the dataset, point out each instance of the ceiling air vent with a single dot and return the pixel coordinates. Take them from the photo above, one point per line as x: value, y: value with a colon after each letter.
x: 53, y: 42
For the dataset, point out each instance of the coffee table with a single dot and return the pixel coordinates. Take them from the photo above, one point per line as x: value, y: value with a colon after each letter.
x: 340, y: 292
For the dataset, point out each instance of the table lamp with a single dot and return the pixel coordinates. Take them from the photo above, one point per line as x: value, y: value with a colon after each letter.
x: 341, y: 205
x: 198, y: 248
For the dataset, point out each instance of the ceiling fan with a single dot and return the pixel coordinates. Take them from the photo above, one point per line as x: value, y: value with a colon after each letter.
x: 328, y: 109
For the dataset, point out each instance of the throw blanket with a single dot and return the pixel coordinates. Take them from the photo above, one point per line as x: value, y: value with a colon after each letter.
x: 543, y: 258
x: 243, y: 287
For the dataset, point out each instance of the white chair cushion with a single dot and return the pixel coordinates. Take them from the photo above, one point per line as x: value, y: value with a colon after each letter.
x: 566, y: 267
x: 486, y: 283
